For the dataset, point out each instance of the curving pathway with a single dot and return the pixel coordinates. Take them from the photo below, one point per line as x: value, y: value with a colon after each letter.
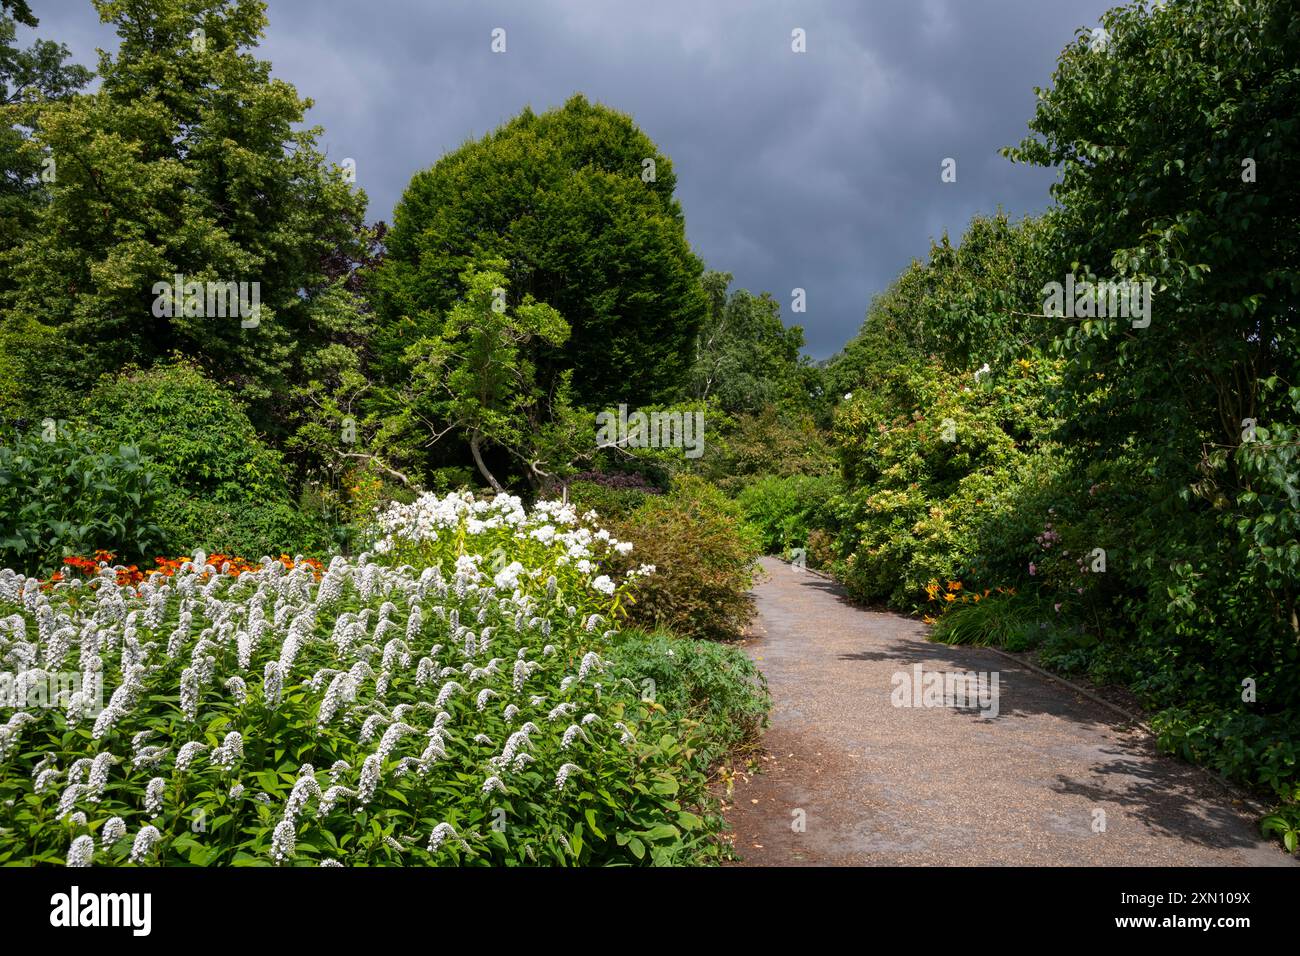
x: 1054, y: 779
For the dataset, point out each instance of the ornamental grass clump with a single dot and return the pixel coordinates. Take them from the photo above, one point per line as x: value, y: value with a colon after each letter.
x: 441, y: 699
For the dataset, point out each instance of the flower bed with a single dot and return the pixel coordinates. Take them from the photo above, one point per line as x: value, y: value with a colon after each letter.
x: 440, y: 700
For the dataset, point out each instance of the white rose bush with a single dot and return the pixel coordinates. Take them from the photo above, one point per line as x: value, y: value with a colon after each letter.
x: 441, y: 699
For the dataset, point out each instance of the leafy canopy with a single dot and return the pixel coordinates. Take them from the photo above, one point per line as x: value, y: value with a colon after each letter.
x: 187, y: 159
x: 562, y: 198
x: 475, y: 376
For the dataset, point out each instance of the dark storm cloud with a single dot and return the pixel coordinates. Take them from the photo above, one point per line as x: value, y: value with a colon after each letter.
x: 817, y: 170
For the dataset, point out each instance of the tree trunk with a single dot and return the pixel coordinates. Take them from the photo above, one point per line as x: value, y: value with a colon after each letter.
x: 482, y: 468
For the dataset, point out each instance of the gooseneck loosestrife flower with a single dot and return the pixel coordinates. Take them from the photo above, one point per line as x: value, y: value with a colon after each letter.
x: 380, y: 665
x: 144, y: 843
x: 230, y: 753
x: 330, y: 797
x: 304, y: 789
x: 371, y: 772
x: 188, y: 753
x: 283, y: 840
x: 153, y: 796
x: 82, y: 851
x: 566, y: 771
x: 440, y: 834
x: 69, y: 799
x: 113, y: 831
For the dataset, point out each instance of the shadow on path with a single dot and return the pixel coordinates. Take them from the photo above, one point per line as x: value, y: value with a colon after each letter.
x: 1053, y: 779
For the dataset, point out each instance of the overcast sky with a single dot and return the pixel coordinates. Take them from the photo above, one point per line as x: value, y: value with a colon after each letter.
x: 818, y: 170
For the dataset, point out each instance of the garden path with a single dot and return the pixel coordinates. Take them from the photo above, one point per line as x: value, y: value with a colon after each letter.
x: 878, y: 784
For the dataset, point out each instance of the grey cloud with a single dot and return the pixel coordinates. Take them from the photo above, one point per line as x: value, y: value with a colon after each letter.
x: 818, y: 170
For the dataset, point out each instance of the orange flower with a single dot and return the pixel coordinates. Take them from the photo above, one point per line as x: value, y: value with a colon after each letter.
x: 167, y: 567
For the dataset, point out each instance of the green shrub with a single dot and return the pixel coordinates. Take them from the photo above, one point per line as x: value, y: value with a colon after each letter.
x: 248, y: 530
x: 71, y: 496
x: 770, y: 442
x: 930, y: 457
x: 703, y: 553
x: 610, y: 499
x: 1011, y: 621
x: 786, y: 509
x: 1261, y: 750
x: 821, y: 548
x: 223, y: 488
x: 715, y: 684
x: 195, y: 431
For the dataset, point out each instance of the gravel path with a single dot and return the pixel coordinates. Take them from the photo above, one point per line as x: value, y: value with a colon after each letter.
x: 877, y: 784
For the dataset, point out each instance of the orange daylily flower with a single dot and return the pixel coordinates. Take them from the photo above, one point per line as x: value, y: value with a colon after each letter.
x: 231, y: 565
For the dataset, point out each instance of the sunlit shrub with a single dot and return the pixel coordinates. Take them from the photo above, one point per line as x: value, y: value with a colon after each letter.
x: 222, y: 488
x: 785, y: 510
x: 716, y: 684
x: 71, y: 494
x: 703, y: 553
x: 930, y: 458
x: 610, y: 496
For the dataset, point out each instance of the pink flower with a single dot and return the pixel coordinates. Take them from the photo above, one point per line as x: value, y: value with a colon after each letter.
x: 1032, y: 569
